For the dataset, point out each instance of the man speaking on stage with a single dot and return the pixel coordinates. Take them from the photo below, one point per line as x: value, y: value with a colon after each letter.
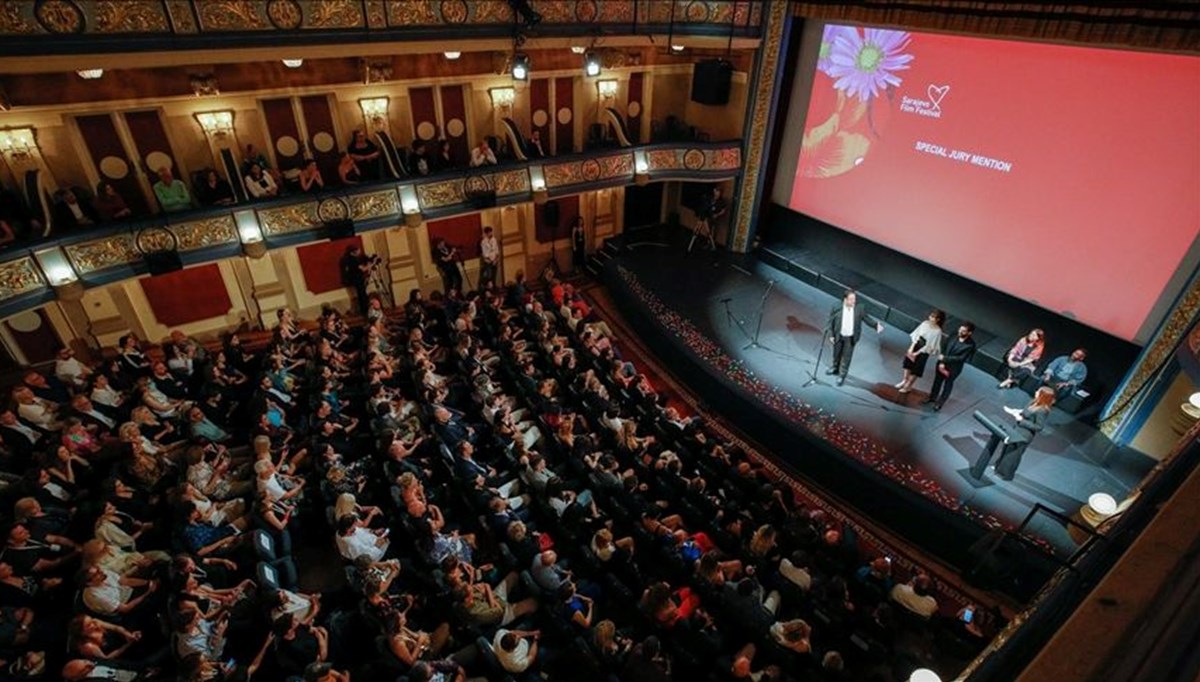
x: 844, y: 330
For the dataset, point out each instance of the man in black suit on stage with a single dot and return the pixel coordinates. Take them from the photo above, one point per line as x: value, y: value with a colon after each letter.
x: 844, y: 330
x: 955, y: 354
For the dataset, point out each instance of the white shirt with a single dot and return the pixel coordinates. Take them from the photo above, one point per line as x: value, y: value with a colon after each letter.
x: 103, y: 418
x: 932, y: 335
x: 106, y: 396
x: 847, y: 320
x: 361, y: 542
x: 108, y: 596
x: 515, y: 661
x: 69, y: 370
x: 904, y: 595
x: 489, y: 248
x: 797, y: 576
x: 294, y: 604
x: 260, y: 187
x: 37, y: 414
x: 104, y: 672
x: 480, y: 157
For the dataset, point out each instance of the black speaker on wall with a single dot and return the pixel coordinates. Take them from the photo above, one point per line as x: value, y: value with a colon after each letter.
x: 339, y: 229
x: 550, y: 215
x: 162, y: 262
x: 482, y: 199
x: 710, y: 81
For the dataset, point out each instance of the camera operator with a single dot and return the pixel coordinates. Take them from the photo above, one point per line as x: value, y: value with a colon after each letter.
x: 446, y: 258
x: 355, y: 269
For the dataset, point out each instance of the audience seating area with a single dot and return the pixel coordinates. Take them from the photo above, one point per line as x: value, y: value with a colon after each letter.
x: 481, y: 487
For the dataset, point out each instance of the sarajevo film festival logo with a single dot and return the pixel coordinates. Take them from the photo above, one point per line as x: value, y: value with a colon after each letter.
x: 931, y: 107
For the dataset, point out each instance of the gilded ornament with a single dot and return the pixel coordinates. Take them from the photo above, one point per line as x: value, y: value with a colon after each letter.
x: 438, y: 194
x: 130, y: 16
x: 723, y: 159
x: 59, y: 16
x: 287, y: 219
x: 19, y: 276
x: 663, y: 159
x: 285, y: 14
x: 412, y: 13
x: 376, y: 14
x: 374, y: 205
x: 586, y: 11
x: 335, y: 14
x: 454, y: 11
x: 12, y: 19
x: 560, y: 174
x: 102, y: 253
x: 511, y: 182
x: 181, y: 16
x: 153, y: 239
x: 496, y: 11
x: 198, y: 234
x: 619, y: 11
x: 333, y: 209
x: 231, y: 15
x: 474, y: 184
x: 696, y: 12
x: 617, y: 166
x: 693, y: 159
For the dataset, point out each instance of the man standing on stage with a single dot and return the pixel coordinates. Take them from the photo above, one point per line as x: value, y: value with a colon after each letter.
x: 844, y: 330
x: 489, y: 258
x: 955, y: 354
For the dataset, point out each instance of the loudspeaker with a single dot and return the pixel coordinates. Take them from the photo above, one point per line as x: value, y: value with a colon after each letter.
x: 550, y: 215
x: 485, y: 199
x: 162, y: 262
x: 710, y: 81
x: 339, y: 229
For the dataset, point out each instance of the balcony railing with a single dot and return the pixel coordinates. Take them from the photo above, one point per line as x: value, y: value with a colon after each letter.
x: 30, y: 272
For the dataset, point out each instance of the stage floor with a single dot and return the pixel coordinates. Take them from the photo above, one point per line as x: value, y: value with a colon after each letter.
x: 1065, y: 464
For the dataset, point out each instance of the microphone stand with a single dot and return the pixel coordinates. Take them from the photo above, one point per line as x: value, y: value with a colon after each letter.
x: 812, y: 378
x: 462, y: 266
x: 762, y: 305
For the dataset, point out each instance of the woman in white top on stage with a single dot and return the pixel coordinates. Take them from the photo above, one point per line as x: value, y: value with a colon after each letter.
x: 926, y: 341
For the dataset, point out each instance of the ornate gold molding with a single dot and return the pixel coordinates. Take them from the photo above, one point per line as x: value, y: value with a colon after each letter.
x: 276, y: 221
x: 18, y: 277
x: 374, y: 205
x: 756, y: 127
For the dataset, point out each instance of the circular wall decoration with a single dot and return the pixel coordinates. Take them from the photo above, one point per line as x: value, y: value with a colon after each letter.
x: 426, y: 130
x: 564, y: 115
x: 634, y: 109
x: 323, y: 142
x: 590, y: 170
x: 693, y: 159
x: 287, y: 145
x: 697, y: 12
x: 455, y: 127
x: 540, y: 118
x: 155, y: 239
x: 159, y: 160
x: 474, y: 184
x: 59, y: 16
x: 454, y: 11
x: 332, y: 209
x: 28, y: 321
x: 585, y: 11
x: 285, y: 14
x: 114, y: 167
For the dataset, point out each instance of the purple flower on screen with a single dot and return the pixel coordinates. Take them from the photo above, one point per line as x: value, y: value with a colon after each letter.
x: 865, y: 65
x: 830, y: 34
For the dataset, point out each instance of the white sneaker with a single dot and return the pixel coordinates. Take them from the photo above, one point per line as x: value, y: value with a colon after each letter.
x: 905, y: 390
x: 900, y: 385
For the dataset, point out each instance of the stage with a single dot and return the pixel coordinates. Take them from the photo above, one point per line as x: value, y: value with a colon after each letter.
x: 883, y: 452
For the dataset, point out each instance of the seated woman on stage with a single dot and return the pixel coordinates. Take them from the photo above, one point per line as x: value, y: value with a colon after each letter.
x: 1023, y: 357
x: 1028, y: 422
x: 926, y: 341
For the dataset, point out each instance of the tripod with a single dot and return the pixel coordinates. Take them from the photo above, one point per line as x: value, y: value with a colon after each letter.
x: 376, y: 280
x: 762, y: 305
x: 462, y: 267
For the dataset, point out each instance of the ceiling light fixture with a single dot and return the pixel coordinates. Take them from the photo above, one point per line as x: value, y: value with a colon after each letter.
x: 677, y: 48
x: 453, y: 54
x: 293, y: 63
x: 90, y: 74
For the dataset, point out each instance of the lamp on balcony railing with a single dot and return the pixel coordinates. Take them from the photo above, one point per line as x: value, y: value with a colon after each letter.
x: 59, y: 273
x: 250, y: 234
x: 375, y: 111
x: 17, y: 143
x: 537, y: 183
x: 607, y: 89
x: 410, y: 206
x: 216, y: 123
x: 502, y: 99
x: 641, y: 168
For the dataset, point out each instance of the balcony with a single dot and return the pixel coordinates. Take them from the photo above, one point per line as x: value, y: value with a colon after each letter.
x: 30, y: 273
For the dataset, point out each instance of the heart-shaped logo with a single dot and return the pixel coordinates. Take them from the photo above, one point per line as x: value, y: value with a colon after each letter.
x: 936, y: 93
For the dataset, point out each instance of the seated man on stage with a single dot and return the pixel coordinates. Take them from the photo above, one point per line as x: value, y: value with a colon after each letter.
x: 1066, y: 374
x: 844, y: 329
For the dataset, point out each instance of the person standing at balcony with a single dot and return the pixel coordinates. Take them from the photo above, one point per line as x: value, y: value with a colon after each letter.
x: 489, y: 258
x: 482, y: 155
x: 578, y: 243
x: 173, y: 195
x: 365, y: 154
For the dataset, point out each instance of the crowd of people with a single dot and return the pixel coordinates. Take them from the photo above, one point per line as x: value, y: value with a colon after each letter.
x: 496, y: 490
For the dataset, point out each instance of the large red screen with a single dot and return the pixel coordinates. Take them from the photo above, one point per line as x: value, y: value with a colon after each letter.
x: 1067, y: 176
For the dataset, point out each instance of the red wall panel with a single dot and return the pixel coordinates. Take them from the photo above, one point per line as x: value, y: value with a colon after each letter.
x: 634, y: 106
x: 187, y: 295
x: 420, y: 100
x: 321, y: 264
x: 462, y: 231
x: 454, y: 114
x: 564, y: 98
x: 568, y: 210
x: 281, y: 123
x: 100, y: 137
x: 539, y: 101
x: 319, y: 122
x: 151, y: 141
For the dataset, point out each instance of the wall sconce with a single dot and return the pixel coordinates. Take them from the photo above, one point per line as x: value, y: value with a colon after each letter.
x: 58, y: 272
x: 90, y: 74
x: 641, y: 169
x: 17, y: 143
x: 293, y: 63
x: 250, y: 234
x: 216, y: 123
x: 503, y: 98
x: 452, y: 54
x: 410, y: 206
x: 375, y: 111
x: 607, y: 88
x: 537, y: 182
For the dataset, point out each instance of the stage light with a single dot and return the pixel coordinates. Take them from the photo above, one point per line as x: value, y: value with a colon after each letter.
x: 924, y: 675
x: 520, y: 67
x: 90, y: 74
x: 1103, y: 504
x: 293, y: 63
x: 677, y: 48
x: 578, y: 49
x: 591, y: 65
x: 452, y: 54
x: 1194, y: 399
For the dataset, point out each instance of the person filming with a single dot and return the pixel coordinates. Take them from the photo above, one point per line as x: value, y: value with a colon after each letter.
x: 356, y: 266
x: 446, y: 258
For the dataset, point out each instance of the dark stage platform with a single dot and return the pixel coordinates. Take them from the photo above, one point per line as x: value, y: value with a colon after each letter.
x: 895, y: 459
